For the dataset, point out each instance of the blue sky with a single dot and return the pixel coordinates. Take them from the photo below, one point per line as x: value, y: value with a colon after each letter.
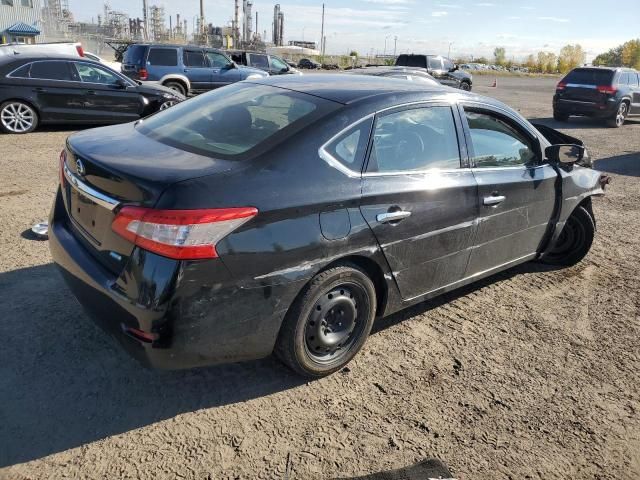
x: 475, y: 27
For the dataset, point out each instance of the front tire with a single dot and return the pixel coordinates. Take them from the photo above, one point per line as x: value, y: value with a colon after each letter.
x: 466, y: 86
x: 575, y: 240
x: 328, y: 323
x: 18, y: 117
x: 621, y: 115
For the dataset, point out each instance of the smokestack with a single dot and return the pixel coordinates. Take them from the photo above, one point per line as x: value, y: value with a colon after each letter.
x: 322, y: 33
x: 257, y: 31
x: 236, y: 25
x: 144, y: 19
x: 202, y: 27
x: 170, y: 28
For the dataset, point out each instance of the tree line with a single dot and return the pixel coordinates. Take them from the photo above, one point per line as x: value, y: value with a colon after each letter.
x: 625, y: 55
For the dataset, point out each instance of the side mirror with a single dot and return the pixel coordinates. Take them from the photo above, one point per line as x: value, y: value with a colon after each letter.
x: 121, y: 83
x: 230, y: 66
x: 565, y: 154
x: 454, y: 68
x: 284, y: 70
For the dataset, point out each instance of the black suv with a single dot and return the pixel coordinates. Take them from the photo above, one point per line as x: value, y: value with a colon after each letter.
x: 601, y: 92
x: 441, y: 68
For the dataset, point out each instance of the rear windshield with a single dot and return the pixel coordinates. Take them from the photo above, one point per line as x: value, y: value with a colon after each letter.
x: 235, y: 122
x: 589, y: 76
x: 134, y: 54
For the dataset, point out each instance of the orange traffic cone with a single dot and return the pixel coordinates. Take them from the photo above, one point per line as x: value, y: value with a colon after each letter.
x: 495, y: 83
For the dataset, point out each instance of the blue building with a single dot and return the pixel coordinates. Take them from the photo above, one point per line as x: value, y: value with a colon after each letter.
x: 20, y: 21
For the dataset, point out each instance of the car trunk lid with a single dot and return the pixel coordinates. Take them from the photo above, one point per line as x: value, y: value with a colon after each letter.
x: 121, y: 167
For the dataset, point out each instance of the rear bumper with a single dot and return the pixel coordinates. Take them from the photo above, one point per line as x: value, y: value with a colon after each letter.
x: 590, y: 109
x: 197, y: 313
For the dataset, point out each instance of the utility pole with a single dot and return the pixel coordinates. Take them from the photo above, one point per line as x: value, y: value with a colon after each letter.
x: 322, y: 41
x: 395, y: 46
x: 449, y: 54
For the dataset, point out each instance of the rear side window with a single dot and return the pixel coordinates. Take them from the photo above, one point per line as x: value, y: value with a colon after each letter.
x: 350, y: 147
x: 236, y: 121
x: 193, y: 58
x: 22, y: 72
x: 51, y: 70
x: 496, y: 143
x: 414, y: 140
x: 163, y: 57
x: 589, y: 76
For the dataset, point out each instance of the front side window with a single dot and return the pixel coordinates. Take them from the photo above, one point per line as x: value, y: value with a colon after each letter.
x: 193, y: 58
x: 415, y: 140
x: 94, y: 74
x: 51, y: 71
x: 496, y: 143
x: 259, y: 61
x: 236, y: 121
x: 162, y: 57
x: 217, y: 60
x: 278, y: 64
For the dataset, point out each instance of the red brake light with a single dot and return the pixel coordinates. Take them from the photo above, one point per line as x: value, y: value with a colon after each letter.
x: 561, y: 86
x: 80, y: 50
x: 143, y: 74
x: 180, y: 234
x: 606, y: 89
x: 63, y: 160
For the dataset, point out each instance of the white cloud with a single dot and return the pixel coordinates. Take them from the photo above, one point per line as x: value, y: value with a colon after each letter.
x: 554, y: 19
x: 439, y: 14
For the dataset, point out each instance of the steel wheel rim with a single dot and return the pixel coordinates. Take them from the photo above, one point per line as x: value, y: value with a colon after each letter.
x: 336, y: 322
x: 167, y: 104
x: 17, y: 117
x: 622, y: 114
x: 176, y: 88
x: 571, y: 238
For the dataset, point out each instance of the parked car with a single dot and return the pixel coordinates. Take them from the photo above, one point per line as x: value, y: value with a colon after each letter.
x: 413, y: 75
x: 285, y: 214
x: 441, y: 68
x: 183, y: 68
x: 330, y: 66
x: 52, y: 48
x: 117, y: 66
x: 41, y: 89
x: 309, y: 64
x: 271, y: 64
x: 612, y: 94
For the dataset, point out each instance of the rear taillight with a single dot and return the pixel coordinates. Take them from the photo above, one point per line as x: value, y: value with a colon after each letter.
x: 561, y: 86
x: 80, y: 50
x: 180, y: 234
x: 607, y: 89
x: 143, y: 74
x: 63, y: 160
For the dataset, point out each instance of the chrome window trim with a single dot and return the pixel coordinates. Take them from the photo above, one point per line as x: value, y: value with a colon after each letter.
x: 93, y: 194
x: 334, y: 162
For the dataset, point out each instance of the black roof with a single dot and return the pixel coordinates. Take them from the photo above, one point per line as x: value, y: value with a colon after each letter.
x: 30, y: 57
x: 345, y: 88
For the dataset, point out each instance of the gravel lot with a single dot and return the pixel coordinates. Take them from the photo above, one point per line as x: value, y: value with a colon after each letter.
x: 533, y: 373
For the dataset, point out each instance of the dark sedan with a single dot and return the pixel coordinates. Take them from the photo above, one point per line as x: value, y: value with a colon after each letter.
x: 37, y: 90
x: 287, y: 214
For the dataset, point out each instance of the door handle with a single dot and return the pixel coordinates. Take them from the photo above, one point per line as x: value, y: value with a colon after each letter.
x: 494, y: 200
x: 91, y: 92
x: 392, y: 216
x: 39, y: 90
x: 186, y: 70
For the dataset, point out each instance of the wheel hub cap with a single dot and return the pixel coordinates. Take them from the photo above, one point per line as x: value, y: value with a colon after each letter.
x: 17, y: 117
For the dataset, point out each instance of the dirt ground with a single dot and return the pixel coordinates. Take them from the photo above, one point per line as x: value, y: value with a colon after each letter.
x: 533, y: 373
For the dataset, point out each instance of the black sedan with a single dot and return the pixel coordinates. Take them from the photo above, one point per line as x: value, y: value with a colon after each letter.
x: 309, y: 64
x: 41, y: 89
x: 286, y: 214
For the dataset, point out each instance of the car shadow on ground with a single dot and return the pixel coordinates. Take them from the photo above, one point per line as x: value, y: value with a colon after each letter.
x: 628, y: 164
x: 65, y: 383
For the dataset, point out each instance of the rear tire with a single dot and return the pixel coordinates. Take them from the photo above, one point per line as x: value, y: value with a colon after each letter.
x: 18, y: 117
x: 575, y: 240
x: 466, y: 86
x: 328, y: 323
x: 176, y: 87
x: 621, y: 115
x: 560, y: 117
